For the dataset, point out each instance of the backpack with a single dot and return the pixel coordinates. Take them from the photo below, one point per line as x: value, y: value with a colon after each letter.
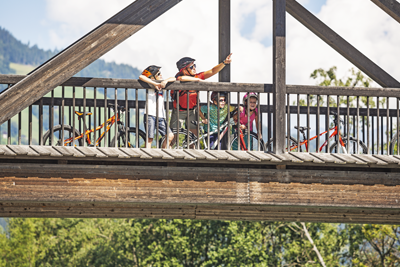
x: 183, y: 99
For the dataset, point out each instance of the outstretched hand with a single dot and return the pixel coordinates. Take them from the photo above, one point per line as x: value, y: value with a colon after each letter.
x: 158, y: 86
x: 228, y: 59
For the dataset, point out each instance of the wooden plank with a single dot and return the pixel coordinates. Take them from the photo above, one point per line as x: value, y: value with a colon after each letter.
x: 200, y: 154
x: 22, y: 150
x: 113, y: 152
x: 279, y: 74
x: 369, y: 159
x: 91, y: 152
x: 69, y: 151
x: 340, y: 45
x: 326, y: 157
x: 286, y: 157
x: 242, y: 155
x: 135, y: 153
x: 221, y: 155
x: 349, y: 159
x: 306, y: 157
x: 80, y: 54
x: 224, y: 38
x: 46, y: 151
x: 392, y: 7
x: 387, y: 159
x: 156, y: 153
x: 263, y: 156
x: 178, y: 154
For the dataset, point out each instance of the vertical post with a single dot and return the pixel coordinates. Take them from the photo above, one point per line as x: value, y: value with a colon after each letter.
x: 224, y: 38
x: 279, y: 74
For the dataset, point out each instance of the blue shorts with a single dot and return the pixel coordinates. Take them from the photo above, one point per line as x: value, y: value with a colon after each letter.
x: 162, y: 126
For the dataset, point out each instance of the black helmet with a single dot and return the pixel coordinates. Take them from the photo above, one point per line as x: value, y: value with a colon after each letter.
x: 184, y: 62
x: 151, y: 71
x: 214, y: 95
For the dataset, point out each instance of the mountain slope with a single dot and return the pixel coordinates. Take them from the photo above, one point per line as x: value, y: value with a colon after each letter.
x: 14, y: 51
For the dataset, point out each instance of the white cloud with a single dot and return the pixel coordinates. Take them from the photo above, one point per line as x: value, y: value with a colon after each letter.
x: 191, y: 29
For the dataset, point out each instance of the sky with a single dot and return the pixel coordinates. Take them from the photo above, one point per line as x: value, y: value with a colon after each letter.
x: 191, y: 29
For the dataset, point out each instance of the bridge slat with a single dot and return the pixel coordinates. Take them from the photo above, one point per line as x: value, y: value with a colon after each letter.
x: 369, y: 159
x: 222, y: 155
x: 135, y: 153
x: 242, y: 155
x: 46, y: 151
x: 22, y: 150
x: 112, y: 152
x: 263, y: 156
x: 91, y: 152
x: 286, y: 157
x: 178, y: 154
x: 69, y: 151
x: 199, y: 154
x: 349, y: 159
x: 328, y: 158
x: 306, y: 157
x: 387, y: 159
x: 156, y: 153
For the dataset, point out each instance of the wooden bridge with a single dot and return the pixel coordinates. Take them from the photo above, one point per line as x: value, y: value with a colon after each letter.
x: 39, y: 179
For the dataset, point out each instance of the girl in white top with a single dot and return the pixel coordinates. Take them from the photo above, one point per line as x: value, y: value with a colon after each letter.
x: 150, y: 75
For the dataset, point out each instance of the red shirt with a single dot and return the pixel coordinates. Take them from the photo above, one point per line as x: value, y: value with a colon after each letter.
x: 183, y: 95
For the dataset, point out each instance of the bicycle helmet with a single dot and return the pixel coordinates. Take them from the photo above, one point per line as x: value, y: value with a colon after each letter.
x: 247, y: 95
x: 214, y: 95
x: 184, y: 62
x: 151, y: 71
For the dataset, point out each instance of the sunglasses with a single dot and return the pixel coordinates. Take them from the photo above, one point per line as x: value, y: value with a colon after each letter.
x: 158, y: 74
x: 222, y: 100
x: 193, y: 66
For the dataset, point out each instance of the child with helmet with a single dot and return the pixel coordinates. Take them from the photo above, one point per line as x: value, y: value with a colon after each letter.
x: 223, y: 113
x: 250, y: 103
x: 155, y: 97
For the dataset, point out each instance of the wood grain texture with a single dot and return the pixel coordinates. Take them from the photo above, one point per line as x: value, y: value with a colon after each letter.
x: 80, y: 54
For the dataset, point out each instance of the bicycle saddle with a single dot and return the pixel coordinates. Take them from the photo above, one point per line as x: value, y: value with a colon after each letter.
x: 80, y: 114
x: 302, y: 128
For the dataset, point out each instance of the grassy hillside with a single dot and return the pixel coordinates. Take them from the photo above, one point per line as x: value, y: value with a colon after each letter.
x: 21, y: 69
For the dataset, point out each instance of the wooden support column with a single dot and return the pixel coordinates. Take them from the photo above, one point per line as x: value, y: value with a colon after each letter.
x: 80, y: 54
x: 279, y: 74
x: 340, y: 45
x: 392, y: 7
x: 224, y: 40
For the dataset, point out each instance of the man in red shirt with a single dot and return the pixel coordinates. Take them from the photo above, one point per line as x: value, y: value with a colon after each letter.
x: 187, y: 73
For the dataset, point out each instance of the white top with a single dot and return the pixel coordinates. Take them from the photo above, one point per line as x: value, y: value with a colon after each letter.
x: 152, y: 109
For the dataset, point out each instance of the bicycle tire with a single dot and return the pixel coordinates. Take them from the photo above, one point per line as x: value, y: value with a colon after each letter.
x: 393, y: 144
x: 57, y: 135
x: 253, y: 142
x: 182, y: 138
x: 131, y: 139
x: 269, y: 146
x: 353, y: 146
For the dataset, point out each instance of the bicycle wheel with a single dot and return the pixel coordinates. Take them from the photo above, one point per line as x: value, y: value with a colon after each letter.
x: 133, y: 140
x: 56, y: 138
x: 393, y: 147
x: 253, y: 142
x: 293, y: 143
x: 351, y: 148
x: 182, y: 140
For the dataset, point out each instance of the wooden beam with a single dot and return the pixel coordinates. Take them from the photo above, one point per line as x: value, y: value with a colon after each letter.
x: 340, y: 45
x: 81, y: 54
x: 224, y: 38
x: 279, y: 74
x: 392, y: 7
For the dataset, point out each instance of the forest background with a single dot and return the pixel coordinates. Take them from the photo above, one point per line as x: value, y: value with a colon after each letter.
x: 139, y: 242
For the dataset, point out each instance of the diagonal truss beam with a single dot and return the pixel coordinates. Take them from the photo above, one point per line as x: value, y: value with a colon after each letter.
x: 340, y: 45
x: 392, y: 7
x: 80, y: 54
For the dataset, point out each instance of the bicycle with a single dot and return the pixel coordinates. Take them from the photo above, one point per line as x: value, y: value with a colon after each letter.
x: 347, y: 149
x: 77, y: 138
x: 193, y: 140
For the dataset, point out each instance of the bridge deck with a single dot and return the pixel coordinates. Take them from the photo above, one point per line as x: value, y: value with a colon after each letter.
x: 109, y: 182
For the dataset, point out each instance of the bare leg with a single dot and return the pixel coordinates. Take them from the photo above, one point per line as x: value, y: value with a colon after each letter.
x: 149, y: 141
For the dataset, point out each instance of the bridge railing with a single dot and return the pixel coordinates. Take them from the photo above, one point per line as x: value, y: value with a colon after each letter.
x: 367, y: 118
